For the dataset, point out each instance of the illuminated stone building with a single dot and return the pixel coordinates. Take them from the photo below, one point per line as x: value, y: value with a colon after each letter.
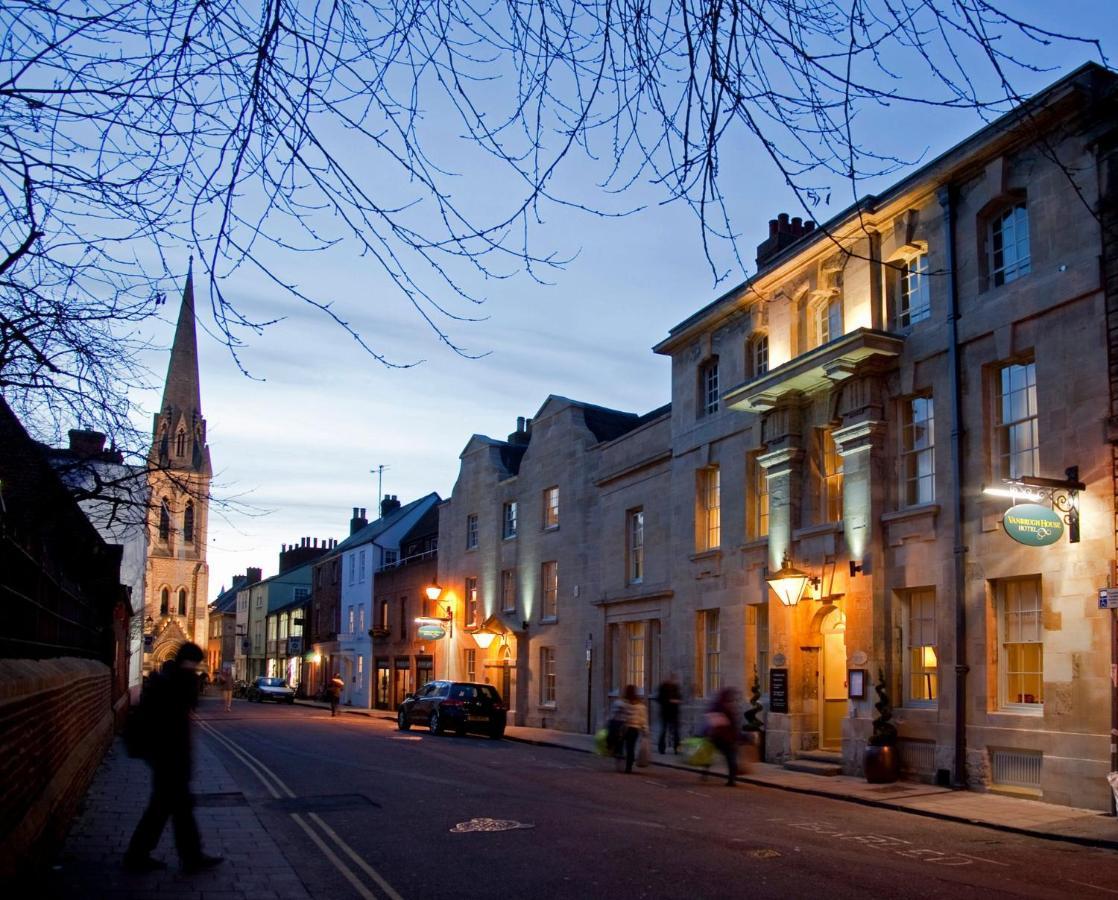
x: 848, y: 409
x: 846, y: 414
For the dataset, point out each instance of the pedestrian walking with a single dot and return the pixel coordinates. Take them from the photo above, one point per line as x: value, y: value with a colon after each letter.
x: 669, y: 699
x: 334, y: 694
x: 631, y: 724
x: 168, y: 699
x: 225, y: 682
x: 718, y: 728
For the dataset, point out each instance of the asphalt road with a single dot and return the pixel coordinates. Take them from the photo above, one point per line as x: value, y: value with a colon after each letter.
x: 363, y: 810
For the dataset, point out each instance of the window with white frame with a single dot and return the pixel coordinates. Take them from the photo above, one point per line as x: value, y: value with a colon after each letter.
x: 1009, y: 244
x: 918, y: 465
x: 708, y: 678
x: 470, y: 664
x: 1017, y: 447
x: 549, y: 590
x: 473, y: 608
x: 758, y: 499
x: 360, y: 671
x: 635, y: 642
x: 828, y: 477
x: 635, y: 547
x: 547, y: 676
x: 352, y: 568
x: 391, y: 557
x: 471, y: 532
x: 508, y: 520
x: 508, y: 590
x: 383, y: 623
x: 921, y: 663
x: 708, y: 518
x: 1021, y: 635
x: 352, y: 619
x: 361, y: 566
x: 272, y: 627
x: 914, y: 295
x: 763, y: 645
x: 708, y: 387
x: 551, y: 507
x: 361, y: 619
x: 757, y: 355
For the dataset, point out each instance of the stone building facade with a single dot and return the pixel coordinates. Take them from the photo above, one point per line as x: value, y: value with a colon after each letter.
x: 864, y: 410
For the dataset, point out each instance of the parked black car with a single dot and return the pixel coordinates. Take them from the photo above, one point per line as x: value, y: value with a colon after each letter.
x: 459, y: 706
x: 265, y: 688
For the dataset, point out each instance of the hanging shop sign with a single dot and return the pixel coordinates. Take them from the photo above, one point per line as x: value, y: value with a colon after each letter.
x: 1033, y: 525
x: 431, y: 632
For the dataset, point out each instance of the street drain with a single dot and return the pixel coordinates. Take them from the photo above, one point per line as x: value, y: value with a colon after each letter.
x: 229, y: 798
x: 488, y: 825
x: 323, y: 803
x: 764, y: 854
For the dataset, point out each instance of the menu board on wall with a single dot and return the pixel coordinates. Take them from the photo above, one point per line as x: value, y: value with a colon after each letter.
x: 778, y: 690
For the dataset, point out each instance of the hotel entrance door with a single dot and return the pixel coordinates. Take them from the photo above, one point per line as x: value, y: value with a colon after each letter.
x: 833, y: 690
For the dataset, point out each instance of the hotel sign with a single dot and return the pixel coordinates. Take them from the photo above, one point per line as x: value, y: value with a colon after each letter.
x: 1033, y: 525
x: 430, y: 632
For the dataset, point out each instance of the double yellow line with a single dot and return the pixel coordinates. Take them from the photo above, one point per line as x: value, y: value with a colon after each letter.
x: 275, y: 786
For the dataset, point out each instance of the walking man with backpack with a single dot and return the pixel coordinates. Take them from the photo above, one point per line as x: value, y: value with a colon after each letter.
x: 162, y: 736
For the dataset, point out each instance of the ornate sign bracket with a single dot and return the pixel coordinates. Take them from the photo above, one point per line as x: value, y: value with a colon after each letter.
x: 1062, y: 494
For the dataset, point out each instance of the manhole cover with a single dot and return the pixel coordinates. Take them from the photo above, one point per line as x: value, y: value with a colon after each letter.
x: 324, y: 803
x: 488, y: 825
x: 230, y: 798
x: 764, y: 854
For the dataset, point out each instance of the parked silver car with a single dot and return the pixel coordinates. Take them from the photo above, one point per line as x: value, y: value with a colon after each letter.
x: 265, y: 688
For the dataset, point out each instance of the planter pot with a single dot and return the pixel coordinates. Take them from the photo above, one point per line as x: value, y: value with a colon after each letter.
x: 882, y: 765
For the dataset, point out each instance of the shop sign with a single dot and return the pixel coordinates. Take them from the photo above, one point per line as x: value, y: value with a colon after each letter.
x: 1033, y: 525
x: 430, y: 632
x: 295, y: 645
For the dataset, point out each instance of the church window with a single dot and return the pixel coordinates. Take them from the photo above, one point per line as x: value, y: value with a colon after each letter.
x: 182, y: 601
x: 164, y: 602
x: 164, y: 520
x: 180, y: 442
x: 188, y: 521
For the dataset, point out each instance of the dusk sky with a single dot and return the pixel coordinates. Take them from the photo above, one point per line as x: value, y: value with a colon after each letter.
x: 294, y: 446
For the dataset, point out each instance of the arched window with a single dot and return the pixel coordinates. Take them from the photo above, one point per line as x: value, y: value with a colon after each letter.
x: 182, y: 601
x: 180, y: 442
x: 164, y: 519
x: 828, y: 320
x: 757, y: 356
x: 164, y: 601
x: 188, y: 521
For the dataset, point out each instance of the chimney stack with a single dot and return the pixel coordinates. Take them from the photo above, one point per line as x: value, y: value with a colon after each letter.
x: 389, y: 505
x: 358, y: 521
x: 783, y: 233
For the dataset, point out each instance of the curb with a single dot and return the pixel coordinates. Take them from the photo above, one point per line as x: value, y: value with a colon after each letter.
x: 1100, y: 843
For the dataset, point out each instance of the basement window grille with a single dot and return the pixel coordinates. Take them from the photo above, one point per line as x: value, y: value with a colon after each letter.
x: 1016, y: 768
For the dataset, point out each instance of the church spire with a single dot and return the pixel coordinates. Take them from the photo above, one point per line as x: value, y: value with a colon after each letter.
x: 182, y: 392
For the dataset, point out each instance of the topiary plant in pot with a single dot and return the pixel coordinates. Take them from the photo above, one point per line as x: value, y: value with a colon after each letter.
x: 753, y: 730
x: 882, y: 762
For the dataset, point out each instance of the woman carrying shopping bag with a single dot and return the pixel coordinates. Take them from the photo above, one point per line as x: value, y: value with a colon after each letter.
x: 631, y: 722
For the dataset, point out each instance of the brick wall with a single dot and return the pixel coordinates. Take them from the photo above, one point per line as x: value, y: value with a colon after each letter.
x: 56, y: 721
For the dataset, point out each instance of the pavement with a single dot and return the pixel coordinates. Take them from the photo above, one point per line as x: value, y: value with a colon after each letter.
x: 89, y: 865
x: 1032, y: 818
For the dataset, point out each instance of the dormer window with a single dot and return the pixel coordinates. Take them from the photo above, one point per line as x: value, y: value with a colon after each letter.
x: 180, y: 442
x: 708, y: 387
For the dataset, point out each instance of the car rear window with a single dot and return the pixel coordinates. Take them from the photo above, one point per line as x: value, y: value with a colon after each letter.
x: 474, y: 692
x: 271, y: 682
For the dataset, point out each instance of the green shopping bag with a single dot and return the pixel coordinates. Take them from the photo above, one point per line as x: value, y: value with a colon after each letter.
x: 601, y: 742
x: 698, y: 751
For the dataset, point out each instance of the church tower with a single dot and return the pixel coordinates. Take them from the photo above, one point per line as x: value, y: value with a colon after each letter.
x: 179, y: 473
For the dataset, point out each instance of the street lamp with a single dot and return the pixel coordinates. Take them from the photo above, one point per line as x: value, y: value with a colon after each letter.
x: 788, y: 582
x: 484, y: 638
x: 434, y: 592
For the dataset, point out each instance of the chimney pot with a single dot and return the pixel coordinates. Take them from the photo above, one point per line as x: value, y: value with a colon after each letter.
x: 797, y: 226
x: 772, y: 227
x: 782, y: 222
x: 809, y: 226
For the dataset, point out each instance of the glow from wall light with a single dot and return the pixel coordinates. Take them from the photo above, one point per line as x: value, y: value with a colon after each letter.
x: 1014, y: 492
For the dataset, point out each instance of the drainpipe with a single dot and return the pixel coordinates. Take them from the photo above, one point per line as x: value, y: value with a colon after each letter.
x: 947, y: 201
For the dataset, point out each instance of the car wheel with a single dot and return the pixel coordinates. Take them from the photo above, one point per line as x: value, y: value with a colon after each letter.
x: 402, y: 721
x: 460, y: 732
x: 434, y: 724
x: 290, y: 701
x: 496, y: 734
